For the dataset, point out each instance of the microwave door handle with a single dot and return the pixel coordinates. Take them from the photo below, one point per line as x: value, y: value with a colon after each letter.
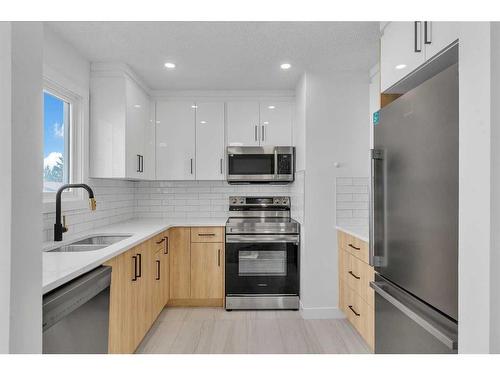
x: 276, y: 163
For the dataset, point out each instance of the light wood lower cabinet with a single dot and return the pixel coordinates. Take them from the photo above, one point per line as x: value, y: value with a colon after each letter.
x: 180, y: 263
x: 356, y: 297
x: 207, y: 263
x: 196, y: 266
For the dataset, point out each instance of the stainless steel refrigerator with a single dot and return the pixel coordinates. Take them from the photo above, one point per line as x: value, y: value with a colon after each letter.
x: 414, y: 219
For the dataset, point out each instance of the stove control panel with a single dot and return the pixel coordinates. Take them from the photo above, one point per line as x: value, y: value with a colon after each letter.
x: 259, y: 201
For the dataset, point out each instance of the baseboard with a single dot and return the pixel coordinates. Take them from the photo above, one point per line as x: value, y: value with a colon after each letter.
x: 211, y: 302
x: 321, y: 312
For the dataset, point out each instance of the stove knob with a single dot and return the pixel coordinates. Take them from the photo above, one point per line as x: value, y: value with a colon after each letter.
x: 234, y: 201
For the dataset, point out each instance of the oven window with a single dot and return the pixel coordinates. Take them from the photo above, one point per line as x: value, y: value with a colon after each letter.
x: 251, y: 164
x: 262, y: 263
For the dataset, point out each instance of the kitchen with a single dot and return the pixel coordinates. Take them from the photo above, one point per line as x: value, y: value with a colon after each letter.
x: 233, y: 169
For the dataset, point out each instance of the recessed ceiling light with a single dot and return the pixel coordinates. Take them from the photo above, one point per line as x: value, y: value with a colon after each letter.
x: 203, y: 122
x: 137, y: 106
x: 169, y: 65
x: 285, y: 66
x: 194, y: 106
x: 266, y: 122
x: 400, y: 66
x: 271, y: 107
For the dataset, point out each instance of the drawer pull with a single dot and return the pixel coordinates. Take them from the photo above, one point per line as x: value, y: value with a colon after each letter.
x: 354, y: 311
x: 206, y: 234
x: 161, y: 241
x: 158, y: 270
x: 354, y: 247
x: 353, y: 275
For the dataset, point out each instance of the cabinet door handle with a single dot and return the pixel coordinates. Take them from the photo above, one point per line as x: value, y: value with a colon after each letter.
x: 354, y: 311
x: 206, y: 234
x: 135, y: 268
x: 165, y: 249
x: 218, y: 257
x: 221, y: 161
x: 418, y: 32
x: 139, y: 259
x: 191, y: 161
x: 158, y: 270
x: 255, y: 133
x: 138, y: 163
x: 353, y: 247
x: 353, y: 275
x: 142, y: 163
x: 263, y: 133
x: 160, y: 241
x: 427, y: 32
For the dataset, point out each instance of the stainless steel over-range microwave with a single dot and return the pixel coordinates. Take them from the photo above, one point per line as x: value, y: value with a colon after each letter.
x: 265, y: 164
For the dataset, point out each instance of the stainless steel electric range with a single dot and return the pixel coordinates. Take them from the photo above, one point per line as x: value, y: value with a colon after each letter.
x: 262, y: 254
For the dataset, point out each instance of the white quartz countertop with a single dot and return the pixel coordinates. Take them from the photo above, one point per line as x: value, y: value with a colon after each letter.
x: 61, y: 267
x: 361, y: 232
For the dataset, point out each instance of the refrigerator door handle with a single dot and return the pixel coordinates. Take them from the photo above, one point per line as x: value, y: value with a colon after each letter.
x: 377, y: 203
x: 383, y: 290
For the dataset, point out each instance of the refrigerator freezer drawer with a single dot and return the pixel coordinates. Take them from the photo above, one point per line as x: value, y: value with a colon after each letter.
x: 403, y: 324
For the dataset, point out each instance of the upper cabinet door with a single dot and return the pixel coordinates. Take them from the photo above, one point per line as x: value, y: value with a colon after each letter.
x: 401, y: 51
x: 136, y: 121
x: 175, y: 134
x: 439, y: 35
x: 243, y: 123
x: 149, y: 162
x: 276, y: 123
x: 210, y: 141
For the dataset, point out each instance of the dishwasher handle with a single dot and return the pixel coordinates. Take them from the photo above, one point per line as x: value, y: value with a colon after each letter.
x: 64, y: 300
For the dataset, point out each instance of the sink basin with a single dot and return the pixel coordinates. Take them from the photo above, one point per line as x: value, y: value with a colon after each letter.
x: 101, y: 240
x: 77, y: 248
x: 90, y: 244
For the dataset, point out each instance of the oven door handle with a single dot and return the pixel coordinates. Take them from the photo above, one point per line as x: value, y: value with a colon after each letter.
x: 234, y: 238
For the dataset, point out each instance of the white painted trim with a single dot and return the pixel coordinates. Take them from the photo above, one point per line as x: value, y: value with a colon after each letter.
x: 321, y: 312
x: 224, y: 94
x: 100, y: 69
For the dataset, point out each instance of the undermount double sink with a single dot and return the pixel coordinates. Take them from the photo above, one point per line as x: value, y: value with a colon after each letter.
x: 91, y: 243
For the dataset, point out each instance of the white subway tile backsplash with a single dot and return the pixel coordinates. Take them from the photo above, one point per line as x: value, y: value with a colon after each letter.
x: 119, y: 200
x: 352, y: 201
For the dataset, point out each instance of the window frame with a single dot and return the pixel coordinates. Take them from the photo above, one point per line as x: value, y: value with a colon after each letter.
x: 76, y: 141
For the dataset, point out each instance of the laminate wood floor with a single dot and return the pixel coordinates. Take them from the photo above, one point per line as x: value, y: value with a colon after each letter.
x: 214, y: 330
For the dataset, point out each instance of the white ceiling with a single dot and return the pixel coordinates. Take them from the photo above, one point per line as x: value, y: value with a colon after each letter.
x: 225, y: 55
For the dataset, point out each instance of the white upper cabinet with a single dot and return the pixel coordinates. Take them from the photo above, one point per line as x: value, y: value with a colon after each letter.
x: 243, y: 123
x: 150, y: 144
x: 405, y: 46
x: 401, y: 51
x: 210, y: 141
x: 175, y: 140
x: 276, y: 123
x: 119, y: 120
x: 439, y: 35
x: 259, y: 123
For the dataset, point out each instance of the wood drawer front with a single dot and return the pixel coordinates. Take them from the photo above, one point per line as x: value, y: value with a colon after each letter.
x: 356, y: 247
x: 358, y: 276
x: 158, y: 242
x: 360, y: 315
x: 207, y: 234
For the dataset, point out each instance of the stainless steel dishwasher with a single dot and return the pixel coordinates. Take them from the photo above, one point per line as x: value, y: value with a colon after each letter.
x: 76, y: 315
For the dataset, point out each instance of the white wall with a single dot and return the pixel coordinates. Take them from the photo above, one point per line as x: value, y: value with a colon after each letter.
x: 299, y: 124
x: 495, y: 191
x: 474, y: 188
x: 336, y: 132
x: 26, y: 180
x: 5, y: 182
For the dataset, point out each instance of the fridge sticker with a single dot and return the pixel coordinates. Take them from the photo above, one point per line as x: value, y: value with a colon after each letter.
x: 375, y: 118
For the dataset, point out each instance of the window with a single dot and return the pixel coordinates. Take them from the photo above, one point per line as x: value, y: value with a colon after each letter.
x: 63, y: 140
x: 56, y: 142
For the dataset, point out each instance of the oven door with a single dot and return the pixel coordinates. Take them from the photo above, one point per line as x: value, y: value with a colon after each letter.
x: 262, y: 264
